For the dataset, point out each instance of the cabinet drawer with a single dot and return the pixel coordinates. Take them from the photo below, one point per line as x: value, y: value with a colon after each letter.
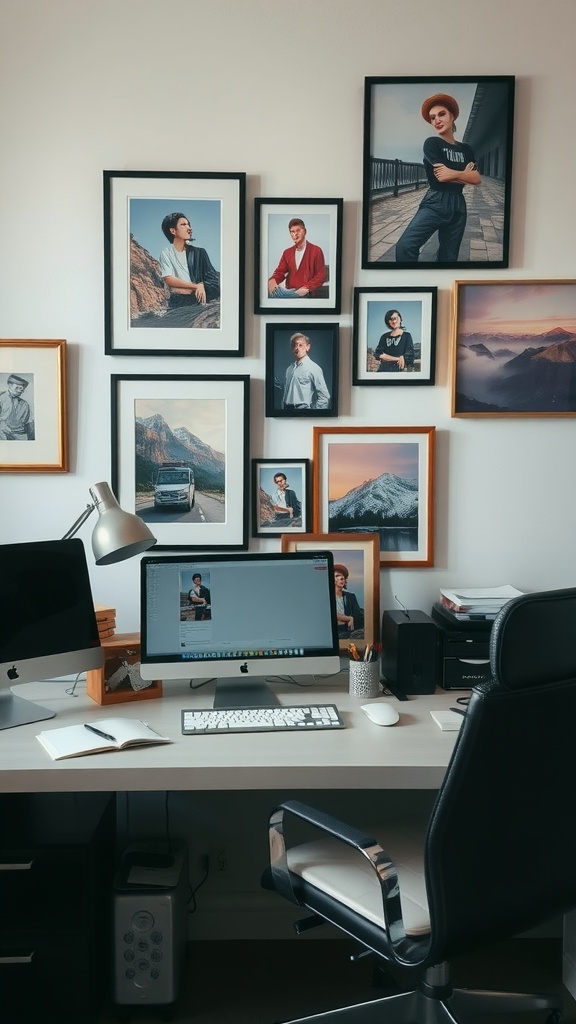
x: 46, y: 982
x: 45, y: 887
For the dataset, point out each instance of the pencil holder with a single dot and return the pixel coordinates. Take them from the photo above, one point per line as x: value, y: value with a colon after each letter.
x: 364, y: 679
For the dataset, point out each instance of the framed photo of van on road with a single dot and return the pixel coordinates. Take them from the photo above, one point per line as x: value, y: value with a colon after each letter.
x: 437, y: 172
x: 180, y: 457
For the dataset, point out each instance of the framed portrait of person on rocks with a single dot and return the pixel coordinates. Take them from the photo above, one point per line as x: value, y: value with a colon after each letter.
x: 174, y: 263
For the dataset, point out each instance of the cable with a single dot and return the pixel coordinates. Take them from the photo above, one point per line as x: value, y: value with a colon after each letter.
x: 71, y: 690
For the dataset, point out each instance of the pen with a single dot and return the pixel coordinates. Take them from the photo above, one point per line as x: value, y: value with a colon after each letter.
x: 104, y: 735
x: 354, y: 652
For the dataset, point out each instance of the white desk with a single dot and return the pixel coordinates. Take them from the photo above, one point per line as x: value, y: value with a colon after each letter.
x: 410, y: 755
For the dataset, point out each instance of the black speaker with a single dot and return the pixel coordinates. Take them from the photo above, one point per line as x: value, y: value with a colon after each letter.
x: 410, y: 651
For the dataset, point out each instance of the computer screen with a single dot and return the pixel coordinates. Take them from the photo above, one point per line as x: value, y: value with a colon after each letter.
x: 238, y: 618
x: 47, y: 621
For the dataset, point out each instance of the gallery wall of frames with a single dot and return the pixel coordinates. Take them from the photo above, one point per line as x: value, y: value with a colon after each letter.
x: 369, y: 357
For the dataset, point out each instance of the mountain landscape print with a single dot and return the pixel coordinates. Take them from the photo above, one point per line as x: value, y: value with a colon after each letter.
x: 515, y: 349
x: 382, y: 485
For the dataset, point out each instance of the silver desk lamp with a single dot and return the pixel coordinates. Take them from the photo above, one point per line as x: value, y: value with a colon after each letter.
x: 117, y: 534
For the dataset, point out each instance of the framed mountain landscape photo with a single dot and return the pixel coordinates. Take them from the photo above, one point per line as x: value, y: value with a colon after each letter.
x: 514, y: 348
x: 179, y: 457
x: 377, y: 480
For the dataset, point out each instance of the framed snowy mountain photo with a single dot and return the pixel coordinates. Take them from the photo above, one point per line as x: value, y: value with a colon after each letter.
x: 514, y: 348
x: 377, y: 480
x: 180, y: 457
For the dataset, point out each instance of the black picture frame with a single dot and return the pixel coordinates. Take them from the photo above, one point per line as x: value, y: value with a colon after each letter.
x: 395, y: 179
x: 417, y: 308
x: 143, y: 316
x: 199, y: 422
x: 322, y: 220
x: 323, y: 341
x: 268, y: 522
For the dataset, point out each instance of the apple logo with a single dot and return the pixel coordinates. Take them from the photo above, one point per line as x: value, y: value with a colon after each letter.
x: 244, y: 667
x: 13, y: 673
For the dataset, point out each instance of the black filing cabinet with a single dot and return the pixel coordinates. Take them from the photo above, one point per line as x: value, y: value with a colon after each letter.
x: 56, y: 868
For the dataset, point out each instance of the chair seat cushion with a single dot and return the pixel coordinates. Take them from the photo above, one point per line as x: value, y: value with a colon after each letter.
x: 346, y: 875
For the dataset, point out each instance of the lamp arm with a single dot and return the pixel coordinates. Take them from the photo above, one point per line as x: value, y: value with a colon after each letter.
x: 76, y: 526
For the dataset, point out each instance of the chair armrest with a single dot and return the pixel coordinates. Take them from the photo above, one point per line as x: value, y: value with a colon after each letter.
x: 380, y: 861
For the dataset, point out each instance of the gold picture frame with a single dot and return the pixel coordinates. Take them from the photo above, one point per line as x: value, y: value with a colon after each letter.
x: 33, y: 425
x: 359, y: 555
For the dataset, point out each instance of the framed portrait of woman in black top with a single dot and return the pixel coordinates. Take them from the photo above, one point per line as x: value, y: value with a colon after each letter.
x: 437, y: 172
x: 394, y: 336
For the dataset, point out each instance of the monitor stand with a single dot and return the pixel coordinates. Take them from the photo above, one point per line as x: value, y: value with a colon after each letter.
x: 244, y: 693
x: 17, y: 711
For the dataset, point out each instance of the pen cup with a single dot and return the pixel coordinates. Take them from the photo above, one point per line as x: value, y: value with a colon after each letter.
x: 364, y: 680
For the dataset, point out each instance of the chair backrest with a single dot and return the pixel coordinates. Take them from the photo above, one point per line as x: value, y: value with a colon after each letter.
x: 501, y: 844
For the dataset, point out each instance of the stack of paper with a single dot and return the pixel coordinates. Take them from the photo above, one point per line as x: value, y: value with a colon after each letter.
x: 106, y: 621
x: 480, y: 602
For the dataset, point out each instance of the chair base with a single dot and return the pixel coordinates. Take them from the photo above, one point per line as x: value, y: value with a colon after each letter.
x: 420, y: 1008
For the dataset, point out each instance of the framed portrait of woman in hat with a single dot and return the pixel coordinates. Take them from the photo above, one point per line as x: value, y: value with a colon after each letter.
x: 437, y: 172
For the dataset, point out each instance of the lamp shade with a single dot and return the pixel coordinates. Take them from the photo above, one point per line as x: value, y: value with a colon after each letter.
x: 117, y: 534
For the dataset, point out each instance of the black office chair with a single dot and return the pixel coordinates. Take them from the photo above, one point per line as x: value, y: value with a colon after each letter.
x: 498, y: 853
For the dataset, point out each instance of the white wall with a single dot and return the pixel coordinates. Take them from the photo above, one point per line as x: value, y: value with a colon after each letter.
x: 275, y: 89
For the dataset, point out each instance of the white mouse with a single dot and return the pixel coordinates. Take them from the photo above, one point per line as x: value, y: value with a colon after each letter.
x: 381, y: 714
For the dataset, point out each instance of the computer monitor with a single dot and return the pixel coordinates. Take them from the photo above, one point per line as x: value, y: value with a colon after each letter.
x: 47, y: 621
x: 238, y: 618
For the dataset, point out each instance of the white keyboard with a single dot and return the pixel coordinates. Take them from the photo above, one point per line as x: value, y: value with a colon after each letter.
x: 281, y: 718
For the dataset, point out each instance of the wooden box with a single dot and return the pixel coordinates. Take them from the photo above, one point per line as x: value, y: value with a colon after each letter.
x: 119, y: 679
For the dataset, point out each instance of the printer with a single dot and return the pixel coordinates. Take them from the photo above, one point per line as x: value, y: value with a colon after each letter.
x: 464, y: 649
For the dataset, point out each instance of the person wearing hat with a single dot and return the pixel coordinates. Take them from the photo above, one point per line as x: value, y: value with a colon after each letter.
x: 349, y: 614
x: 16, y: 422
x: 449, y: 166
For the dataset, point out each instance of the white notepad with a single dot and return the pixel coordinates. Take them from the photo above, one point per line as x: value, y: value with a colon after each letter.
x: 449, y: 721
x: 113, y: 734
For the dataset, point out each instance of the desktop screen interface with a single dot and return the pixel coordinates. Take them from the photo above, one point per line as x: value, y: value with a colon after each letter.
x: 255, y: 607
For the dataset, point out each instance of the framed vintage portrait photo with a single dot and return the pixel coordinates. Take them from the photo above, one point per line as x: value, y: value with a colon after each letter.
x: 377, y: 480
x: 174, y: 263
x: 437, y: 172
x: 356, y: 577
x: 394, y: 336
x: 280, y: 496
x: 179, y: 457
x: 297, y: 256
x: 514, y: 348
x: 302, y: 369
x: 33, y: 422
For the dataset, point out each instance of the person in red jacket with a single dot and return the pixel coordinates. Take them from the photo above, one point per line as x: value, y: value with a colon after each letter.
x: 302, y: 268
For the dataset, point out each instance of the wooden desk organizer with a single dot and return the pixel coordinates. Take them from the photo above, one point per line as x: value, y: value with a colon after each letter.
x: 106, y: 686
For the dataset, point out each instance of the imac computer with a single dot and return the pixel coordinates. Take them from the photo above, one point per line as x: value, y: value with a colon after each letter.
x: 47, y: 621
x: 238, y: 618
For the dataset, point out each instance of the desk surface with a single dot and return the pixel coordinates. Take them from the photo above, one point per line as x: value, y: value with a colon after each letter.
x: 410, y: 755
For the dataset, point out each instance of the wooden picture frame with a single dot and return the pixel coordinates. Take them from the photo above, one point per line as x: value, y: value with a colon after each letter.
x: 145, y: 314
x: 514, y: 348
x: 377, y: 480
x: 381, y: 357
x: 180, y: 457
x: 359, y: 555
x: 313, y: 286
x: 310, y: 388
x: 268, y: 519
x: 437, y: 194
x: 33, y: 410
